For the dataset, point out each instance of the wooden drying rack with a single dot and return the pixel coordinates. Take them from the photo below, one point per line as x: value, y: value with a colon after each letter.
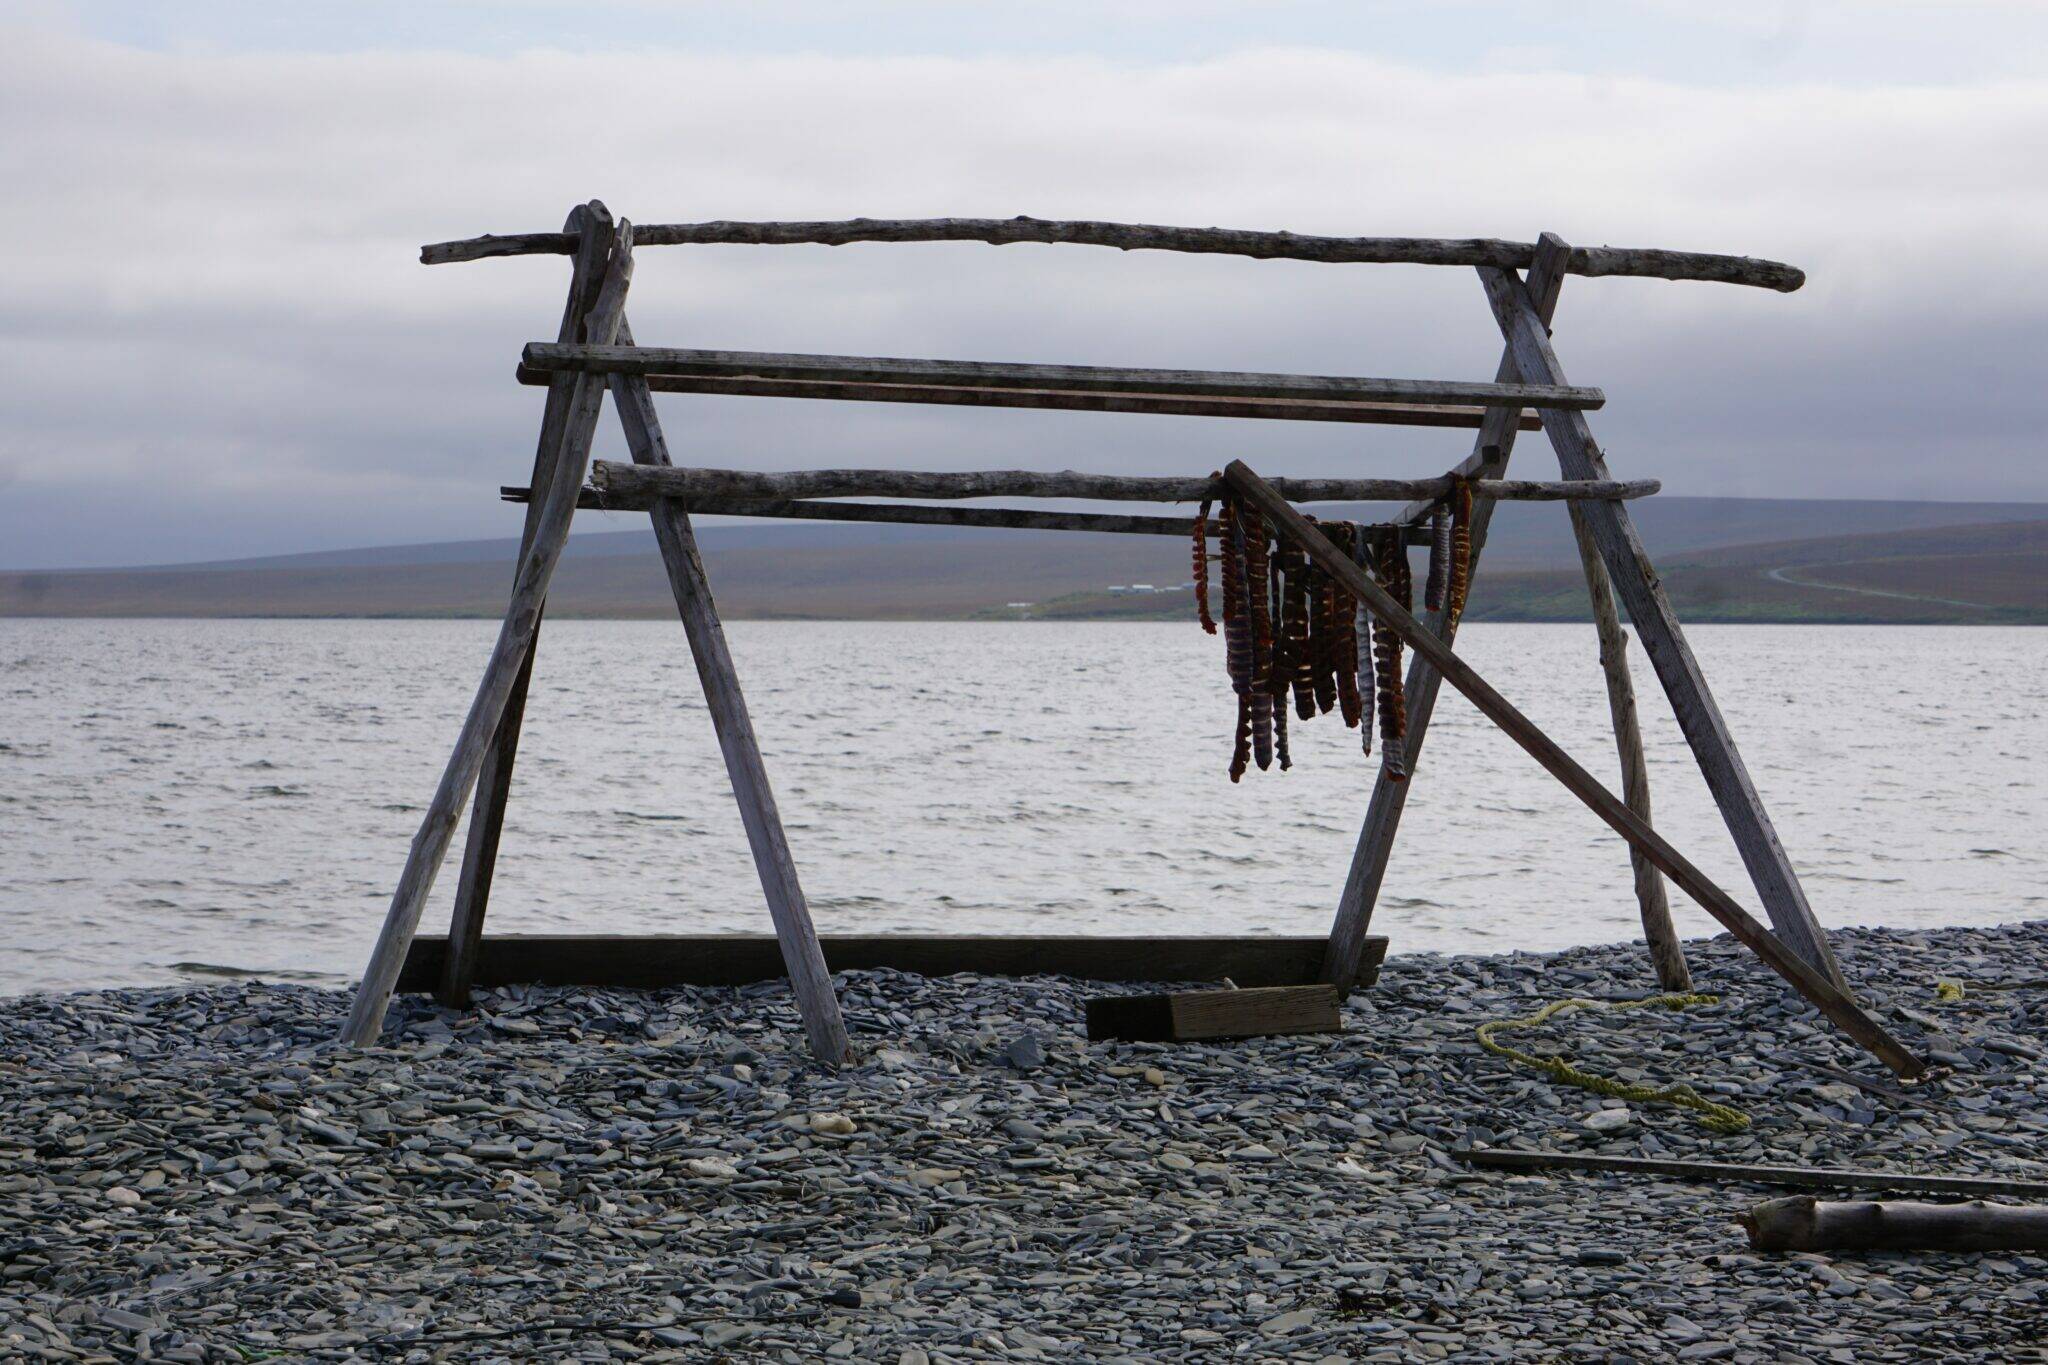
x: 594, y: 353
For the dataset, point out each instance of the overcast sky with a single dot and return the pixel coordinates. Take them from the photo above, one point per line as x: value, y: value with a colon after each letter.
x: 217, y: 339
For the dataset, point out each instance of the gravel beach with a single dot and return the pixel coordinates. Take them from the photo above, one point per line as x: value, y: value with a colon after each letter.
x: 200, y: 1175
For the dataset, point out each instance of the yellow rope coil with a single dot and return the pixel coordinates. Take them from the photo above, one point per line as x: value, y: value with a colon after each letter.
x: 1720, y: 1118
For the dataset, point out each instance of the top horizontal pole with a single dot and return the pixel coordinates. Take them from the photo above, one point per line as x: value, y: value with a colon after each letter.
x: 555, y: 356
x: 1643, y: 262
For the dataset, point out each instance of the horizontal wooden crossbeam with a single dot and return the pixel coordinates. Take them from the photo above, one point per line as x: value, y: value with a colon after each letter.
x: 913, y: 514
x: 556, y: 356
x: 736, y: 959
x: 1644, y: 262
x: 1259, y: 409
x: 631, y: 486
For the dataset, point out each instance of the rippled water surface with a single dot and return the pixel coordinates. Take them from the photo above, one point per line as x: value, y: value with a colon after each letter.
x: 186, y: 797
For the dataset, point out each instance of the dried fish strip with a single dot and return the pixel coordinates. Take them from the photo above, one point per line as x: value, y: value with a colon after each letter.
x: 1237, y: 631
x: 1461, y: 552
x: 1362, y: 556
x: 1253, y: 524
x: 1344, y: 641
x: 1439, y: 558
x: 1295, y: 604
x: 1282, y: 669
x: 1395, y: 576
x: 1201, y: 560
x: 1322, y: 638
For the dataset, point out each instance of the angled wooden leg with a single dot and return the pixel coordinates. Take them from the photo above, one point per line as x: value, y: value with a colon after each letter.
x: 1635, y: 581
x: 515, y: 639
x: 802, y: 956
x: 592, y: 224
x: 1488, y: 460
x: 1666, y: 954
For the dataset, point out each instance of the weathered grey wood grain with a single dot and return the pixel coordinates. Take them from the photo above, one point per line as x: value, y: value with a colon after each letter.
x: 1635, y: 581
x: 630, y: 485
x: 1645, y: 262
x: 1817, y: 988
x: 913, y: 514
x: 508, y: 656
x: 592, y: 225
x: 1375, y: 849
x: 549, y: 356
x: 1667, y: 955
x: 810, y: 979
x: 1261, y: 409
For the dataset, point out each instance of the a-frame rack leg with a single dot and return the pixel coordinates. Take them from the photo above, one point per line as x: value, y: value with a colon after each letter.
x: 1488, y: 460
x: 809, y: 977
x: 1635, y: 580
x: 501, y: 674
x: 592, y: 224
x: 1667, y: 954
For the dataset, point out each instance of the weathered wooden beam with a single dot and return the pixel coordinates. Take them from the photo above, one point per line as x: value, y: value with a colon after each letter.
x: 1645, y: 262
x: 1795, y: 1177
x: 501, y: 674
x: 550, y: 356
x: 1191, y: 1016
x: 625, y: 483
x: 1635, y: 581
x: 1823, y: 993
x: 1803, y: 1223
x: 1261, y: 409
x: 1667, y: 955
x: 809, y: 978
x: 652, y: 962
x: 494, y: 781
x: 912, y: 514
x: 1375, y: 848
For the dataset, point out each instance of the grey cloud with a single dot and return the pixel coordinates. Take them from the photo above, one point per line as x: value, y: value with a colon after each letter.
x: 209, y: 290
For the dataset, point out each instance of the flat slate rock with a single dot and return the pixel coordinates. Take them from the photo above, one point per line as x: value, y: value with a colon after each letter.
x: 201, y: 1175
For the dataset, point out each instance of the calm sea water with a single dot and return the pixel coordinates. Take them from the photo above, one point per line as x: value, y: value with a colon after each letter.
x: 180, y: 798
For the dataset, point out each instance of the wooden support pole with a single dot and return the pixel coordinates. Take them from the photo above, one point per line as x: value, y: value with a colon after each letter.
x: 1351, y: 928
x: 810, y: 979
x: 592, y: 224
x: 1818, y: 989
x: 978, y: 374
x: 1636, y: 582
x: 1292, y: 246
x: 1261, y: 409
x: 636, y: 486
x: 1667, y: 955
x: 501, y: 674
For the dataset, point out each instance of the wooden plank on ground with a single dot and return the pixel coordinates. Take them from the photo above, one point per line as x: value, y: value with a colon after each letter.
x: 1791, y: 1177
x: 652, y: 962
x: 1191, y: 1016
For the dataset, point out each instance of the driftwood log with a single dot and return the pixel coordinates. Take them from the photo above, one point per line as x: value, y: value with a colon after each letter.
x: 1793, y: 1177
x: 1803, y: 1223
x: 629, y: 486
x: 1642, y: 262
x: 551, y: 356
